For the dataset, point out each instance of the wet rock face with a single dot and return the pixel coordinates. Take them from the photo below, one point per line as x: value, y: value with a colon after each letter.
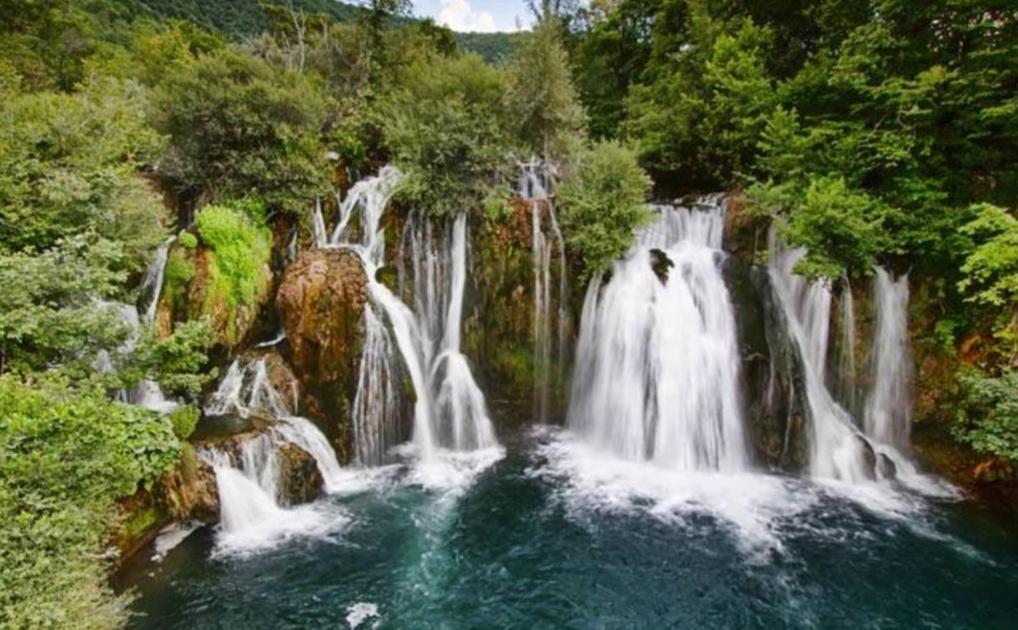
x: 320, y: 301
x: 300, y: 481
x: 773, y: 379
x: 498, y: 324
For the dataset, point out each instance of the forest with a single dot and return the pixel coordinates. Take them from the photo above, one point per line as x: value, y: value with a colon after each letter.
x: 875, y: 134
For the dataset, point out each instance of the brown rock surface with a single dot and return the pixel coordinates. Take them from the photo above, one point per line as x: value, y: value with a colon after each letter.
x: 320, y: 301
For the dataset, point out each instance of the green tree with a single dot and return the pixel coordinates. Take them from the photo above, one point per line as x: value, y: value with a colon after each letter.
x: 446, y: 130
x: 544, y: 104
x: 239, y: 127
x: 603, y: 203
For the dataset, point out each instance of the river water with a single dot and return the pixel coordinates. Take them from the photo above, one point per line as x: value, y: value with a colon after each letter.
x: 555, y: 534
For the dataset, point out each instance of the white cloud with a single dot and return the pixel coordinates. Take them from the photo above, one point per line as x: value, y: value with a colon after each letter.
x: 460, y: 16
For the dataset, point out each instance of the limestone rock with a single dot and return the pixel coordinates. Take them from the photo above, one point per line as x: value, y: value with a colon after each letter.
x: 320, y: 301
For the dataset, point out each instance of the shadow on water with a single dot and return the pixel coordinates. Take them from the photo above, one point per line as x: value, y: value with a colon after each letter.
x: 528, y: 544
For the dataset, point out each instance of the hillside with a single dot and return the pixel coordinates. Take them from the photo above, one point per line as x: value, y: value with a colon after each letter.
x: 239, y: 18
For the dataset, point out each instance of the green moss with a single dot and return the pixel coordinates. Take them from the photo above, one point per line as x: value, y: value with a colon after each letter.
x: 184, y: 420
x: 139, y: 523
x: 188, y: 240
x: 179, y: 272
x: 238, y: 270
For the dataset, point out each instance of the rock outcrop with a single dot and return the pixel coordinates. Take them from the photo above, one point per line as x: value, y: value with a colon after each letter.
x: 193, y: 290
x: 320, y: 301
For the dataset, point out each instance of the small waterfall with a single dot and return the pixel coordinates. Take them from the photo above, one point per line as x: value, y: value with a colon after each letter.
x: 244, y: 500
x: 846, y: 374
x: 837, y: 450
x: 887, y: 418
x: 535, y: 180
x: 152, y: 280
x: 449, y: 411
x: 146, y: 393
x: 657, y: 359
x: 376, y: 404
x: 246, y: 390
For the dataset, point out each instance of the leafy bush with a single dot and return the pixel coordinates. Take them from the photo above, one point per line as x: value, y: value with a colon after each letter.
x: 184, y: 421
x: 176, y: 362
x: 840, y: 227
x: 65, y: 457
x: 239, y: 126
x: 49, y: 314
x: 991, y: 268
x: 988, y: 417
x: 187, y: 240
x: 68, y: 165
x: 446, y: 130
x: 241, y: 252
x: 603, y: 204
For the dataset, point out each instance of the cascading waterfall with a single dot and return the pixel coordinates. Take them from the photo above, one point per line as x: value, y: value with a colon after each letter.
x: 887, y: 417
x: 147, y: 393
x: 246, y: 390
x: 837, y: 449
x: 376, y: 404
x: 534, y: 182
x: 657, y: 359
x: 449, y: 411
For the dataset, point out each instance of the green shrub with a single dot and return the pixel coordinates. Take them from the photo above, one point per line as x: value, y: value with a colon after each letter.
x: 241, y: 251
x: 184, y: 421
x: 603, y: 204
x: 447, y: 133
x: 65, y: 457
x: 187, y: 240
x: 988, y: 417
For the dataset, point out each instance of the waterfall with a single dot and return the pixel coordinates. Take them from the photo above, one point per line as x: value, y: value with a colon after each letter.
x: 657, y: 359
x: 846, y: 375
x: 247, y: 495
x: 246, y: 390
x: 887, y: 418
x: 534, y: 182
x: 449, y: 411
x: 146, y: 393
x: 152, y: 280
x: 837, y: 450
x: 376, y: 404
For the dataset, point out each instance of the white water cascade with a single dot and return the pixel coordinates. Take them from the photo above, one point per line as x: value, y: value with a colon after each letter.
x: 534, y: 183
x: 657, y: 360
x: 449, y: 411
x: 887, y: 418
x: 147, y: 393
x: 246, y: 390
x: 837, y: 449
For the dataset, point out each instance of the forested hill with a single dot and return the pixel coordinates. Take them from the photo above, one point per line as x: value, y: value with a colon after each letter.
x: 239, y: 18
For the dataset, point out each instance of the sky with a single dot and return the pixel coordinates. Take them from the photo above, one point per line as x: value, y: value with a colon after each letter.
x: 476, y: 15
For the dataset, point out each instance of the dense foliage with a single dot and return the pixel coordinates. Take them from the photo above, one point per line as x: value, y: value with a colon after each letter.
x: 604, y: 204
x: 867, y: 131
x: 65, y: 456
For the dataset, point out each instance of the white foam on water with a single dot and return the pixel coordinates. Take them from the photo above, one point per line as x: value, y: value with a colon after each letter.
x: 322, y: 520
x: 446, y: 471
x: 761, y: 511
x: 358, y: 613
